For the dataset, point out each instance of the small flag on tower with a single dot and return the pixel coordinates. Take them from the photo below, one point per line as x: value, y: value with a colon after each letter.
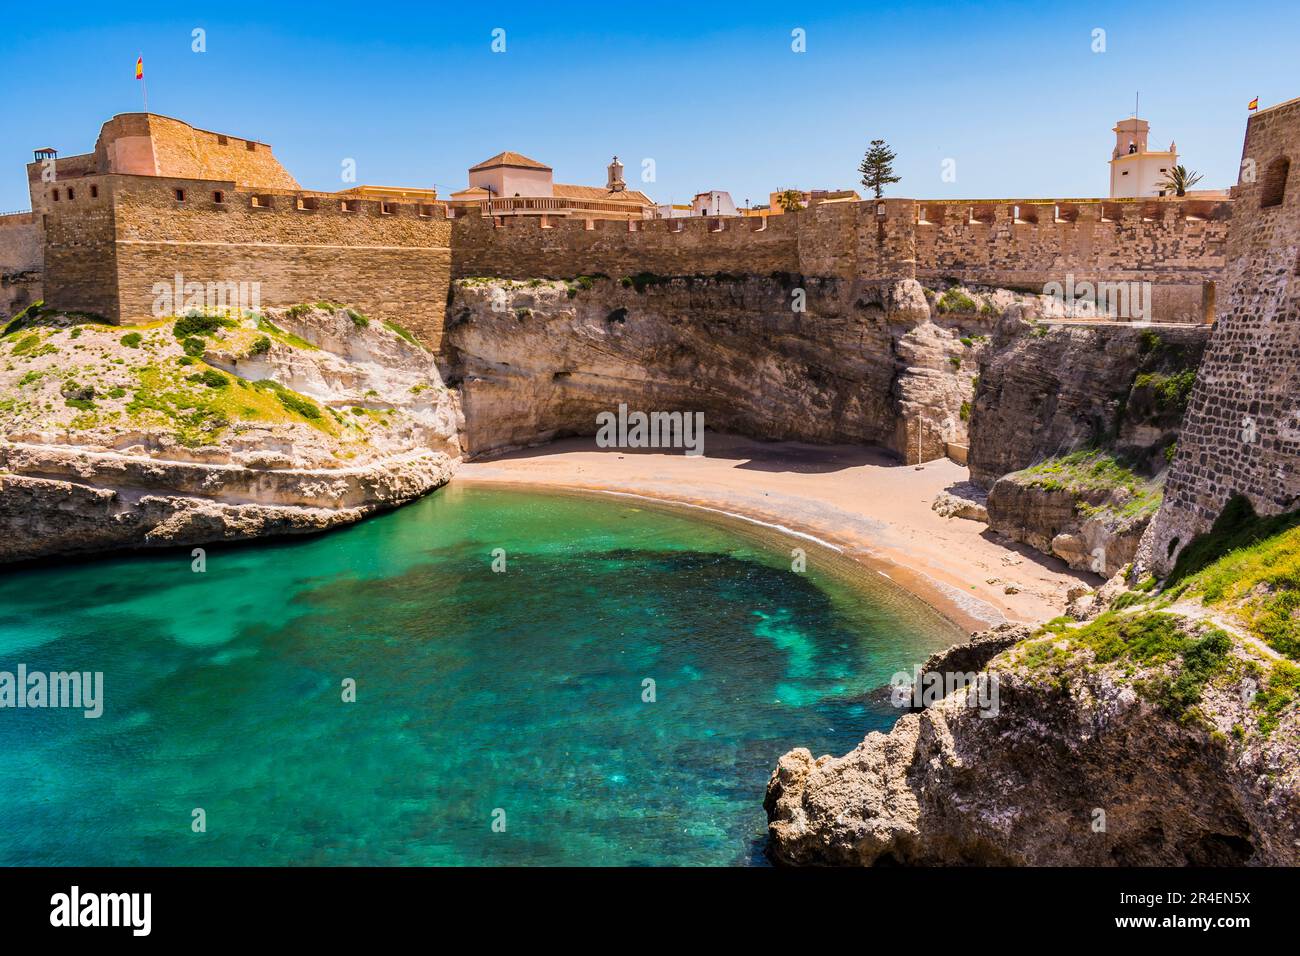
x: 139, y: 69
x: 1254, y: 104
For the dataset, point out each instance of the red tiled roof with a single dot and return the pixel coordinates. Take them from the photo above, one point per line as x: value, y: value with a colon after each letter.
x: 510, y: 159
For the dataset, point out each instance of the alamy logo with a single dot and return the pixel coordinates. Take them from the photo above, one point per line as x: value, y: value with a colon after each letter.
x: 1095, y: 300
x: 179, y: 296
x: 72, y: 909
x: 78, y: 690
x: 921, y: 690
x: 651, y: 430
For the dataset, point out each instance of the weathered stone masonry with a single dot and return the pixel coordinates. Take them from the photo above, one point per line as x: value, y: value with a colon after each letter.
x: 106, y: 253
x: 1242, y: 430
x: 1176, y: 244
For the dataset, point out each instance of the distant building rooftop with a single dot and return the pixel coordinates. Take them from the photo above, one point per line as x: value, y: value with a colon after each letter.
x: 507, y: 158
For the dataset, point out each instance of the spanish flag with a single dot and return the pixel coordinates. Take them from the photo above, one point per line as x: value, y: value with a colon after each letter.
x: 1254, y: 104
x: 139, y: 69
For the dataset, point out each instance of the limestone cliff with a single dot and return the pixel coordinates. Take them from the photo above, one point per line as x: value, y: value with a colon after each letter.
x: 211, y: 427
x: 1072, y: 429
x: 767, y: 356
x: 1138, y: 739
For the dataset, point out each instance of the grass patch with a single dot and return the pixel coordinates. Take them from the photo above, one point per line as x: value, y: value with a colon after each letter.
x: 1172, y: 391
x: 955, y: 300
x: 1093, y: 473
x: 290, y: 399
x: 27, y: 343
x: 1250, y: 565
x: 1281, y: 690
x: 198, y: 323
x: 401, y: 332
x: 132, y: 340
x: 1149, y: 640
x: 288, y: 338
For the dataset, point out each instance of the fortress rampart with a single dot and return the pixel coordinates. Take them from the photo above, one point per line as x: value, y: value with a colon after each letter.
x: 1241, y: 435
x: 109, y: 247
x: 1176, y: 244
x: 158, y: 199
x: 22, y: 256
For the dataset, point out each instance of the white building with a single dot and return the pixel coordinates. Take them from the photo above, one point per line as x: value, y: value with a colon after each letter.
x: 715, y: 202
x: 1136, y: 171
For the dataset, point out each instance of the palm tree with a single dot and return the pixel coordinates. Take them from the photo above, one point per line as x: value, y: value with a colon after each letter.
x: 1180, y: 180
x: 790, y: 200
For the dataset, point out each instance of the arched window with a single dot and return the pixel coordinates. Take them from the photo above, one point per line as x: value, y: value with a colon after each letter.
x: 1273, y: 186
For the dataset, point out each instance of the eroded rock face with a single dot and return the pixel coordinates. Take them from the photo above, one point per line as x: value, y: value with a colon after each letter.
x: 1045, y: 391
x: 1057, y: 521
x: 311, y: 421
x: 951, y: 786
x: 539, y: 360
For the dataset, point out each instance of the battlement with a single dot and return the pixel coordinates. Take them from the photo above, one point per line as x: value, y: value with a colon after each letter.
x: 1177, y: 244
x: 119, y: 237
x: 158, y: 198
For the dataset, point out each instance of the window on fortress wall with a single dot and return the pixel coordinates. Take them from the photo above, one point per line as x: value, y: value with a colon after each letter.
x: 349, y: 205
x: 261, y: 202
x: 307, y: 202
x: 94, y: 192
x: 72, y: 194
x: 426, y: 211
x: 250, y: 145
x: 218, y: 197
x: 222, y: 141
x: 387, y: 208
x: 1273, y: 187
x: 54, y: 194
x: 180, y: 194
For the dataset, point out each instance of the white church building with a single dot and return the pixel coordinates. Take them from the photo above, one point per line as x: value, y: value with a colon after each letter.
x: 1136, y: 171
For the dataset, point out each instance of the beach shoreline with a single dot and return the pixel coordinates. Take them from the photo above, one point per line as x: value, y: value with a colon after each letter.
x: 859, y: 501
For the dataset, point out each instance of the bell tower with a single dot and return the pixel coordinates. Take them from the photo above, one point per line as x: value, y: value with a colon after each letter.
x: 615, y: 182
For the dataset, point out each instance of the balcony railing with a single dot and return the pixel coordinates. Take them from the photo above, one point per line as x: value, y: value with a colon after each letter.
x: 550, y: 204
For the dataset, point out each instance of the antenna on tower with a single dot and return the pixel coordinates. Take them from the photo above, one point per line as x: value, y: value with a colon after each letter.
x: 1137, y: 100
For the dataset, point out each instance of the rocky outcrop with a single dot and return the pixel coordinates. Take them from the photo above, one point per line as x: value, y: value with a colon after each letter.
x: 1048, y: 390
x: 963, y: 500
x: 1086, y: 528
x: 287, y: 423
x: 777, y: 357
x: 1075, y: 767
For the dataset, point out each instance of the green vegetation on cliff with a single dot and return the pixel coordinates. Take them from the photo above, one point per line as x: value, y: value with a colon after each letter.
x: 1107, y: 483
x: 1171, y: 659
x: 1249, y: 566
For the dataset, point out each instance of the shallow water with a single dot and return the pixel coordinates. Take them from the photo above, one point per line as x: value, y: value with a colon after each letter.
x: 481, y: 697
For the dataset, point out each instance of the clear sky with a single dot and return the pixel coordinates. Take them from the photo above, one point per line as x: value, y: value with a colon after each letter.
x: 714, y: 94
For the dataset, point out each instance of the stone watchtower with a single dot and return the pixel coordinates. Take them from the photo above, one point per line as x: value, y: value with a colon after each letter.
x: 1241, y: 434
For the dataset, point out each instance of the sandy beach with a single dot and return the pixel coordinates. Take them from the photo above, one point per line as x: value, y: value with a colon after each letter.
x: 857, y: 499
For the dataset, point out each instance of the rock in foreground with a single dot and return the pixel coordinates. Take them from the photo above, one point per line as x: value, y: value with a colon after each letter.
x: 1083, y: 764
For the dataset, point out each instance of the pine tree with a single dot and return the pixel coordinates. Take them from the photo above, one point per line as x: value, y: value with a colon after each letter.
x: 877, y: 167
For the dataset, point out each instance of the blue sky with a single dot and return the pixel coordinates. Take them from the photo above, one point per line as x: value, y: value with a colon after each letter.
x: 712, y: 93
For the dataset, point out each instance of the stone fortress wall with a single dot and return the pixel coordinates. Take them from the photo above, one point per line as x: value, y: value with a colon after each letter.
x: 1176, y: 244
x: 143, y: 207
x: 108, y: 248
x: 22, y: 258
x: 1241, y: 434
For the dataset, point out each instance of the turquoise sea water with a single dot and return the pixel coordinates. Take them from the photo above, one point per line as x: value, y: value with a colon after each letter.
x: 477, y: 692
